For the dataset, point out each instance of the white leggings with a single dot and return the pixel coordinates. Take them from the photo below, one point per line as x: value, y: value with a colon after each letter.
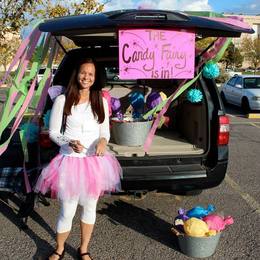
x: 68, y: 210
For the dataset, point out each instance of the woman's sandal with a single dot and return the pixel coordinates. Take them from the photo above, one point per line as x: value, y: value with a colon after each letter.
x: 83, y: 254
x: 59, y: 255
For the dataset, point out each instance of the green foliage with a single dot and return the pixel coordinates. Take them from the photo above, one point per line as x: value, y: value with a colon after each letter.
x: 232, y: 57
x: 251, y: 49
x: 223, y: 76
x: 204, y: 43
x: 88, y: 7
x: 8, y: 47
x: 12, y: 19
x: 13, y: 15
x: 58, y: 8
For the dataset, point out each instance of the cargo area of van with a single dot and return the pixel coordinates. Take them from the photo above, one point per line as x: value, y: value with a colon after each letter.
x: 186, y: 133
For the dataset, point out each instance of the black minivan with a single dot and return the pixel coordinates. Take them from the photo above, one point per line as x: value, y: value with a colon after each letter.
x: 192, y: 153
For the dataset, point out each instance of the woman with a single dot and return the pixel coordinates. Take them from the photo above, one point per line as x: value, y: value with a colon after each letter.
x: 83, y: 170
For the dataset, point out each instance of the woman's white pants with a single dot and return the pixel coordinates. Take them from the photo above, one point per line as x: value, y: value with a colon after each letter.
x: 68, y: 210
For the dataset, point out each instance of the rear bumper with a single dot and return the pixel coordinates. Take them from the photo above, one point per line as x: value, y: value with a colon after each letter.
x: 165, y: 178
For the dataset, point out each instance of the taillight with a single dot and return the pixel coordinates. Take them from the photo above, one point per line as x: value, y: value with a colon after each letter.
x: 223, y: 132
x: 44, y: 140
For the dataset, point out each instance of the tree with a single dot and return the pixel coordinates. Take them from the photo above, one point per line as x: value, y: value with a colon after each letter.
x: 204, y: 42
x: 251, y: 50
x: 12, y: 19
x: 8, y: 47
x: 50, y: 9
x: 232, y: 57
x: 15, y: 14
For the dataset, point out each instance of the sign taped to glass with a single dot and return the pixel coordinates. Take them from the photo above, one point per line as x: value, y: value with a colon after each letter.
x: 156, y: 54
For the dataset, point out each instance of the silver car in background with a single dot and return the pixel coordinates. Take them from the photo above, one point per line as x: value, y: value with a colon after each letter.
x: 242, y: 91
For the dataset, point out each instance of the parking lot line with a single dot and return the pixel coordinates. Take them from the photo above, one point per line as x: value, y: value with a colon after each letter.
x: 255, y: 125
x: 237, y: 115
x: 253, y: 116
x: 245, y: 123
x: 249, y: 199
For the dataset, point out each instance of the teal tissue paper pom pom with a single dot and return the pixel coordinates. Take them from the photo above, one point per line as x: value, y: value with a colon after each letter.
x: 46, y: 118
x: 211, y: 70
x: 194, y: 95
x: 32, y: 132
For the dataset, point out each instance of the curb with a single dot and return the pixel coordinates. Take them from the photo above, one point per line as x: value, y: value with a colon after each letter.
x: 253, y: 115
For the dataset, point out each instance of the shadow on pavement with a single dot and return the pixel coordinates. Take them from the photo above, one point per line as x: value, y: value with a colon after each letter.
x: 142, y: 221
x: 44, y: 249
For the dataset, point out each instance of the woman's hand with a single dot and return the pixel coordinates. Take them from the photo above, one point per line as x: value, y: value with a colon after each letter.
x: 76, y: 146
x: 101, y: 147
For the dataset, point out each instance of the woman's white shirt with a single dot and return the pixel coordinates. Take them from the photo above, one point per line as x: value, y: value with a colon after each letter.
x: 81, y: 125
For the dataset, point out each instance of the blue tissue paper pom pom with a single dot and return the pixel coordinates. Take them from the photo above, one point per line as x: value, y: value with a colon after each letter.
x: 46, y: 119
x: 194, y: 95
x: 210, y: 70
x: 32, y: 132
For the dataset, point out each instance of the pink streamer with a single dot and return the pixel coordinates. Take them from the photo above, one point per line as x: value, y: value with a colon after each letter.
x: 213, y: 51
x: 19, y: 53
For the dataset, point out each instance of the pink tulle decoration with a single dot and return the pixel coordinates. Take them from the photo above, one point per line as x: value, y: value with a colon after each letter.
x: 218, y: 223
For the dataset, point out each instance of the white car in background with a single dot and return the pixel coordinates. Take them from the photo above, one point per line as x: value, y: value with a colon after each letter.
x: 242, y: 91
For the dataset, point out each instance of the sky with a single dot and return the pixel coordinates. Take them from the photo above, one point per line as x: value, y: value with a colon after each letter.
x: 249, y: 7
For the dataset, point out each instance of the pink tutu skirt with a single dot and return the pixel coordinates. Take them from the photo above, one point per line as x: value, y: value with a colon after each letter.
x: 68, y: 177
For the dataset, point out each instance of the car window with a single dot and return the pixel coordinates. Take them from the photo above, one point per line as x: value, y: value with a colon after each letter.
x: 232, y: 81
x: 252, y: 83
x: 239, y: 81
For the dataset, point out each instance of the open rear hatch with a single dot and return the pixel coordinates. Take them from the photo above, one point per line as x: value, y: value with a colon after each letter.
x: 98, y: 35
x: 101, y: 29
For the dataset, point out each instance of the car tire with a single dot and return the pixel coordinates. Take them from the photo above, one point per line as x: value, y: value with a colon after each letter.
x: 224, y: 100
x: 245, y: 105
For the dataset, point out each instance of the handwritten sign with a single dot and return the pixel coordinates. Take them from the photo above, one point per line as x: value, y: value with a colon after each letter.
x: 156, y: 54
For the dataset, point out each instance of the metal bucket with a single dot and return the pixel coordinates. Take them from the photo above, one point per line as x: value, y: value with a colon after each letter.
x: 199, y: 247
x: 130, y: 133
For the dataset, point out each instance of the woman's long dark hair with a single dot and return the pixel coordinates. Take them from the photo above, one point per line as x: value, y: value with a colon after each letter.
x: 95, y: 97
